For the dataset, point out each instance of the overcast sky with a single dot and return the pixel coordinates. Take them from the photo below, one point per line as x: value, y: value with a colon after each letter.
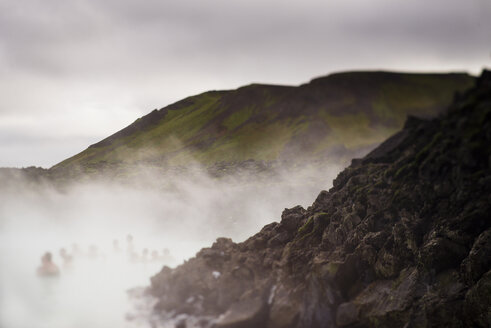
x: 73, y: 72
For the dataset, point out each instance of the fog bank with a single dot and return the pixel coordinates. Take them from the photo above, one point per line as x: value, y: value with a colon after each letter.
x: 182, y: 213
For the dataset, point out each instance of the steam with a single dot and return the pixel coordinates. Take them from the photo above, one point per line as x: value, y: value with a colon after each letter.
x: 180, y: 212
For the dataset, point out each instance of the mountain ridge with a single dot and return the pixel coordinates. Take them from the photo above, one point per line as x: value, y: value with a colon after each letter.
x: 339, y: 115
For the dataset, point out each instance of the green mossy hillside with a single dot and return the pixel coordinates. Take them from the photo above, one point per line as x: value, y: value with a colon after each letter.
x: 335, y: 117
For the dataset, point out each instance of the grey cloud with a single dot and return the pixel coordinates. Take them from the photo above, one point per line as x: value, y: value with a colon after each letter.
x: 101, y: 37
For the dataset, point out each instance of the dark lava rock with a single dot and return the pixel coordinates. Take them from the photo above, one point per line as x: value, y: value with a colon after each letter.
x: 403, y: 239
x: 347, y: 314
x: 249, y: 312
x: 291, y: 218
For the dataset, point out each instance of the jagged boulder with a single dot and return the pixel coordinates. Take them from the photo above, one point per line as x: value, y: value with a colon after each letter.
x: 403, y: 239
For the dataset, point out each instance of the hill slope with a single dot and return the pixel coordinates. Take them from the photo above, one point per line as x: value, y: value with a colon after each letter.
x: 333, y: 117
x: 403, y: 239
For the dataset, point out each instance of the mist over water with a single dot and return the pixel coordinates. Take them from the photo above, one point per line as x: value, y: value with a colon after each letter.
x: 182, y: 213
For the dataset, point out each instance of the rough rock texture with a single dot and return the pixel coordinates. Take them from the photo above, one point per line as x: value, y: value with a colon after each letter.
x: 403, y: 239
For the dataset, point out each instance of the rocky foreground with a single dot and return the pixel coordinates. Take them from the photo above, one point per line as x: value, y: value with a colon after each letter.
x: 403, y: 239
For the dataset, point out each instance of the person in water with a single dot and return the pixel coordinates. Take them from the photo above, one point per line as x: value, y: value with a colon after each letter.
x: 155, y: 255
x: 48, y: 268
x: 116, y: 248
x: 166, y: 256
x: 130, y: 247
x: 67, y: 258
x: 93, y: 251
x: 76, y: 251
x: 144, y: 256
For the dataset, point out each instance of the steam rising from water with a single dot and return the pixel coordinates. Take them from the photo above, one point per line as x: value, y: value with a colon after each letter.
x: 182, y: 213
